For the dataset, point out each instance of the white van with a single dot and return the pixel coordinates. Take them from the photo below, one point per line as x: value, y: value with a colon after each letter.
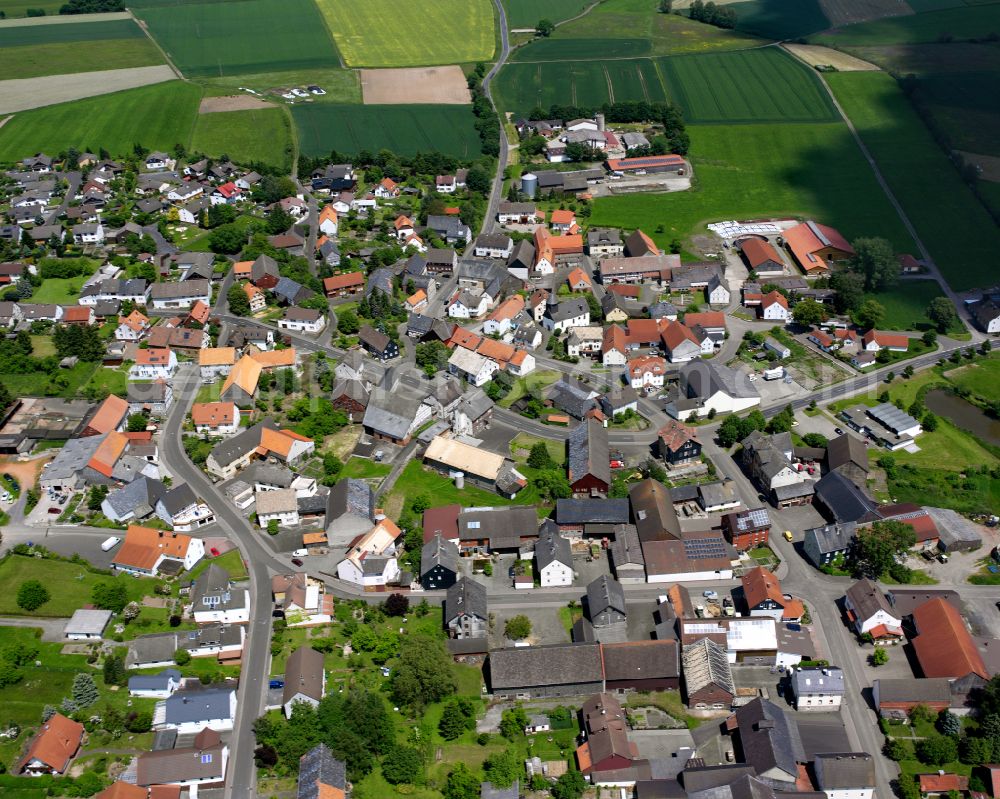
x: 111, y: 543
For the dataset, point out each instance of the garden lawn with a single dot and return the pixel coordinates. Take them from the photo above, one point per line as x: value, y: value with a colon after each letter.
x: 382, y: 33
x: 42, y: 346
x: 906, y: 303
x: 158, y: 117
x: 362, y: 468
x: 961, y: 236
x: 262, y: 135
x: 757, y: 171
x: 231, y: 561
x: 59, y: 290
x: 60, y: 58
x: 216, y: 39
x: 534, y: 382
x: 70, y: 585
x: 404, y: 129
x: 418, y: 479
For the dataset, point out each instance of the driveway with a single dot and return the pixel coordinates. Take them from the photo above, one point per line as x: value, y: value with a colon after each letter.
x: 52, y: 629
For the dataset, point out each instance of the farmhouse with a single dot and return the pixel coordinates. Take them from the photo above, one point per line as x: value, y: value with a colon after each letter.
x: 649, y: 164
x: 816, y: 247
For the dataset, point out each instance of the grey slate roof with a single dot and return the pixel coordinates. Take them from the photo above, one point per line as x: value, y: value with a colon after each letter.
x: 273, y: 474
x: 818, y: 681
x: 187, y: 707
x: 231, y: 449
x: 303, y: 674
x: 466, y: 597
x: 592, y: 511
x: 845, y: 771
x: 318, y: 767
x: 769, y: 738
x: 832, y: 537
x: 573, y: 397
x: 605, y: 593
x: 567, y: 309
x: 139, y: 496
x: 439, y: 552
x: 846, y: 501
x: 391, y: 413
x: 350, y: 496
x: 589, y: 452
x: 552, y: 547
x: 380, y: 279
x: 845, y: 449
x: 153, y: 682
x: 173, y: 291
x: 178, y: 498
x: 503, y: 527
x: 867, y: 599
x: 704, y: 378
x: 554, y: 664
x: 213, y: 585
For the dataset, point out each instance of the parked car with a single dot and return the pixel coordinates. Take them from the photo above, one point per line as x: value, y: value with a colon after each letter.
x: 296, y: 561
x: 300, y: 553
x: 788, y: 535
x: 276, y: 684
x: 617, y: 464
x: 214, y: 551
x: 838, y: 431
x: 710, y: 594
x: 110, y: 543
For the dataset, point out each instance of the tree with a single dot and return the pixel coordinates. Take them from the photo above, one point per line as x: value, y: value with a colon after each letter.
x: 929, y: 422
x: 31, y: 595
x: 278, y: 220
x: 930, y: 338
x: 949, y: 724
x: 942, y: 313
x: 502, y: 768
x: 114, y: 670
x: 461, y: 783
x: 570, y: 785
x: 182, y: 657
x: 552, y: 484
x: 880, y: 657
x: 869, y: 314
x: 517, y: 627
x: 458, y: 716
x: 137, y: 422
x: 110, y: 595
x: 936, y: 750
x: 817, y: 440
x: 348, y: 323
x: 512, y: 723
x: 85, y: 691
x: 876, y: 548
x: 665, y: 6
x: 895, y: 750
x: 272, y: 526
x: 432, y: 357
x: 364, y: 639
x: 402, y: 764
x: 544, y: 27
x: 875, y: 260
x: 239, y: 303
x: 396, y: 605
x: 850, y: 288
x: 227, y: 239
x: 808, y: 312
x: 539, y: 457
x: 478, y: 180
x: 423, y: 673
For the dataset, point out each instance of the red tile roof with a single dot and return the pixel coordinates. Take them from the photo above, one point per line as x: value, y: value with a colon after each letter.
x: 942, y: 783
x: 943, y: 646
x: 54, y: 744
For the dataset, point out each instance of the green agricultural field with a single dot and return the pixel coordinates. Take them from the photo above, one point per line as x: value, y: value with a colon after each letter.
x: 961, y: 22
x: 59, y: 59
x: 572, y: 49
x: 404, y: 129
x: 158, y: 116
x: 19, y: 8
x: 636, y: 20
x: 216, y: 39
x: 755, y: 171
x: 763, y: 85
x: 961, y: 236
x: 774, y: 19
x: 523, y: 86
x: 25, y: 35
x: 527, y: 13
x: 383, y: 33
x: 259, y: 136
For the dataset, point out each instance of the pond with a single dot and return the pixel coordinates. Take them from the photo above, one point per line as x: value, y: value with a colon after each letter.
x: 964, y: 414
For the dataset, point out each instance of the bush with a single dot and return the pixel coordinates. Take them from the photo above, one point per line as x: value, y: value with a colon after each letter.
x: 182, y: 657
x: 517, y: 628
x: 31, y: 595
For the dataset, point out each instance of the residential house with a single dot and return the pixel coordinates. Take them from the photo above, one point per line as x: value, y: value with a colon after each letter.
x: 181, y: 508
x: 493, y: 245
x: 465, y: 610
x: 215, y: 418
x: 146, y: 552
x: 280, y: 506
x: 264, y: 440
x: 818, y: 689
x: 344, y: 285
x: 214, y: 598
x: 305, y: 679
x: 371, y: 559
x: 603, y: 242
x: 378, y: 344
x: 614, y: 347
x: 154, y: 686
x: 845, y: 775
x: 153, y: 364
x: 240, y: 385
x: 214, y: 362
x: 828, y: 543
x: 606, y: 602
x: 747, y: 529
x: 205, y: 708
x: 876, y: 340
x: 133, y: 501
x: 769, y: 741
x: 680, y: 343
x: 439, y: 563
x: 706, y: 385
x: 774, y: 307
x: 763, y: 596
x: 554, y: 559
x: 607, y: 756
x: 303, y: 320
x: 256, y: 298
x: 717, y: 291
x: 132, y: 327
x: 153, y: 398
x: 870, y: 613
x: 201, y: 764
x: 52, y: 748
x: 167, y: 296
x: 328, y: 221
x: 677, y: 444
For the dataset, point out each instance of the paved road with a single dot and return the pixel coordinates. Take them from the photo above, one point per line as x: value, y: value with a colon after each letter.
x: 256, y: 653
x: 73, y: 179
x: 496, y: 193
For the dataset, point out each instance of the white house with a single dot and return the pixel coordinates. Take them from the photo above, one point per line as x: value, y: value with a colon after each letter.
x: 215, y: 362
x: 561, y: 316
x: 280, y: 505
x: 157, y: 363
x: 215, y: 418
x: 584, y: 341
x: 214, y: 598
x: 89, y: 233
x: 774, y: 307
x: 302, y: 320
x: 181, y: 508
x: 717, y: 291
x: 192, y: 711
x: 818, y: 690
x: 647, y: 371
x: 614, y: 349
x: 305, y: 679
x: 154, y: 686
x: 870, y: 612
x: 132, y: 327
x: 845, y: 775
x: 171, y: 296
x: 202, y: 763
x: 371, y: 561
x: 145, y: 549
x: 475, y: 368
x: 465, y: 304
x: 554, y: 558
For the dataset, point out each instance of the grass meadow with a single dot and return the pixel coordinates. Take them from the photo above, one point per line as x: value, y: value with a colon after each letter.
x: 766, y: 170
x: 906, y: 305
x: 33, y: 61
x: 959, y: 22
x: 158, y: 116
x: 13, y: 9
x: 961, y: 236
x: 404, y: 129
x: 219, y: 38
x: 25, y: 35
x: 383, y: 33
x: 527, y: 13
x: 259, y: 136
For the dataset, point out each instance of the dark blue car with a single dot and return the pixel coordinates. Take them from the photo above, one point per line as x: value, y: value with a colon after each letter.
x: 276, y: 684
